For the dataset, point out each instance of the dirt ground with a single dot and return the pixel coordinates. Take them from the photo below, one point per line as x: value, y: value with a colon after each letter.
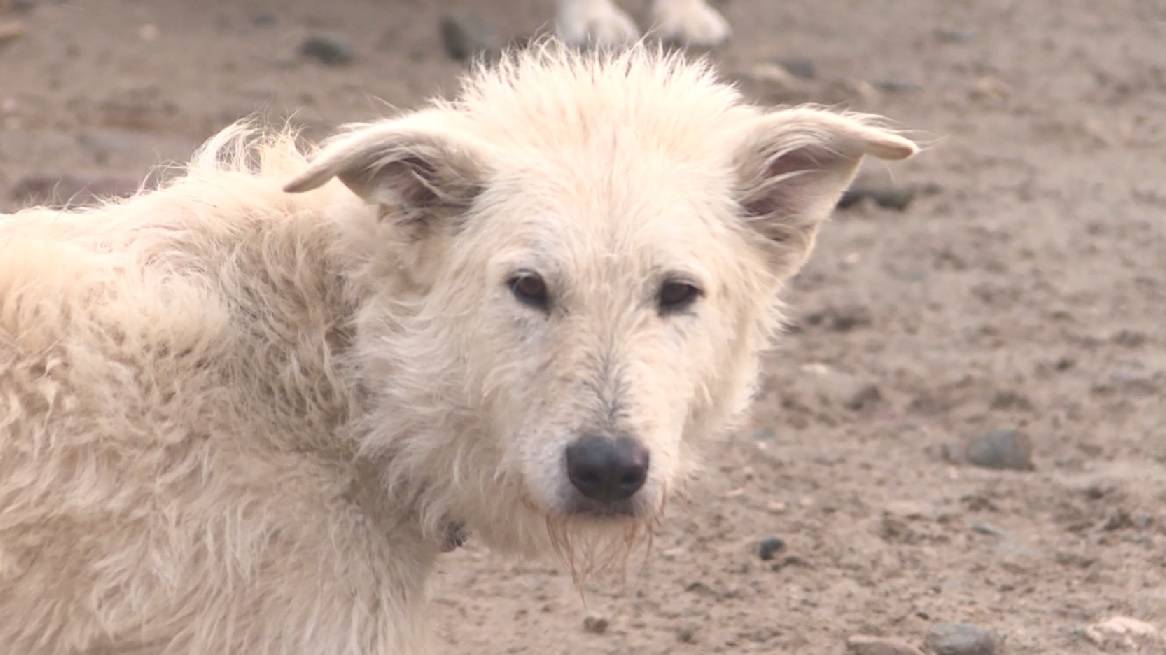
x: 1023, y: 288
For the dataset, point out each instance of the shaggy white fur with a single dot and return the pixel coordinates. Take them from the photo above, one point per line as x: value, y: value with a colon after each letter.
x: 235, y: 419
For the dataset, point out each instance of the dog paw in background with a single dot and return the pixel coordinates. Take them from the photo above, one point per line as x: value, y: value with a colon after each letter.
x: 689, y: 22
x: 594, y: 23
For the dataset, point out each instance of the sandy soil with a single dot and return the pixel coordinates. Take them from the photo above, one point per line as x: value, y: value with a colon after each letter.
x: 1026, y: 290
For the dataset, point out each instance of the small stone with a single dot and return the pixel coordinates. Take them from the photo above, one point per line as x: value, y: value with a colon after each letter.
x: 851, y: 91
x: 595, y: 624
x: 897, y: 86
x: 897, y: 198
x: 774, y: 82
x: 328, y: 49
x: 838, y: 388
x: 1001, y: 450
x: 686, y: 635
x: 764, y: 434
x: 1124, y: 633
x: 800, y: 67
x: 987, y: 528
x: 466, y: 35
x: 953, y: 36
x: 868, y: 645
x: 769, y: 548
x: 960, y: 639
x: 841, y: 318
x: 1143, y: 521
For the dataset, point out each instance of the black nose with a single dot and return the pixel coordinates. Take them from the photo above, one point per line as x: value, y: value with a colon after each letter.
x: 606, y: 469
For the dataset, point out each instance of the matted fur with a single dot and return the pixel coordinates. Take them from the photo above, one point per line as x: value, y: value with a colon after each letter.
x: 235, y: 419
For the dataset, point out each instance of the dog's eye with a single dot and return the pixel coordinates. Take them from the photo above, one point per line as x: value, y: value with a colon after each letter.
x: 530, y: 290
x: 677, y: 296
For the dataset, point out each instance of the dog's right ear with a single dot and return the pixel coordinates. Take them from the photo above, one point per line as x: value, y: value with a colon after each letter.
x: 793, y: 166
x: 413, y: 168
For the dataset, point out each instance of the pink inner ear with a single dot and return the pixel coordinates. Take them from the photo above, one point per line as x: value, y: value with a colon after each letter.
x: 775, y: 196
x: 805, y: 158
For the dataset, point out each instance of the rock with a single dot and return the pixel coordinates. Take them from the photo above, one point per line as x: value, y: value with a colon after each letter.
x: 1123, y: 633
x: 800, y: 67
x: 897, y: 86
x: 960, y: 639
x: 837, y: 388
x: 769, y: 548
x: 988, y: 529
x: 595, y: 624
x: 859, y: 91
x: 774, y: 83
x: 1007, y: 399
x: 328, y: 49
x: 953, y: 36
x: 686, y: 635
x: 843, y: 318
x: 1001, y: 450
x: 764, y: 434
x: 75, y: 189
x: 898, y: 198
x: 466, y: 35
x: 10, y: 30
x: 867, y: 645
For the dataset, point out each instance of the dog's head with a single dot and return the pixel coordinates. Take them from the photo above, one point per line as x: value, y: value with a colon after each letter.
x: 572, y: 271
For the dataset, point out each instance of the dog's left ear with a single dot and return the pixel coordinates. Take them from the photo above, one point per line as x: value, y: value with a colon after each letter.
x: 793, y: 167
x: 414, y: 168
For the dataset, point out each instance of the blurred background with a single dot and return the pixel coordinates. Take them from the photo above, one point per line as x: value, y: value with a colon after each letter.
x: 966, y: 423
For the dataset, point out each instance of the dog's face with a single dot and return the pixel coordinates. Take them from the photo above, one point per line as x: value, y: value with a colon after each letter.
x: 591, y: 276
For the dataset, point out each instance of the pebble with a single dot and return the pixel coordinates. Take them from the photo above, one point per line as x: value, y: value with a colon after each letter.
x: 1001, y: 450
x: 960, y: 639
x: 897, y: 198
x: 769, y: 548
x: 953, y: 36
x: 868, y: 645
x: 764, y: 434
x: 835, y: 387
x: 774, y: 82
x: 842, y: 318
x: 465, y: 36
x: 897, y: 86
x: 1124, y: 633
x: 988, y: 529
x: 328, y: 49
x: 800, y: 67
x: 595, y: 624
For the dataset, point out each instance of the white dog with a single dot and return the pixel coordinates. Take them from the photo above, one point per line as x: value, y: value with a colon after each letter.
x: 239, y: 420
x: 602, y: 23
